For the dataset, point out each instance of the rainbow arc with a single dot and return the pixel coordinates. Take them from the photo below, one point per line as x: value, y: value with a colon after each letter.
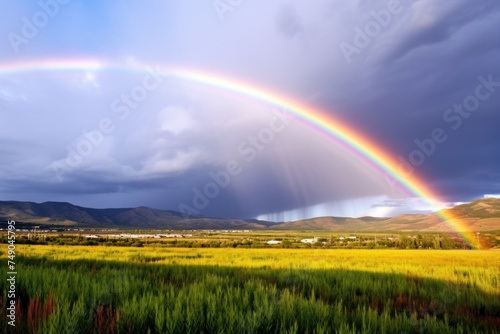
x: 361, y: 146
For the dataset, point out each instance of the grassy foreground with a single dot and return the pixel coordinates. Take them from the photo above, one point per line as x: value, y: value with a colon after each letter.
x: 84, y: 289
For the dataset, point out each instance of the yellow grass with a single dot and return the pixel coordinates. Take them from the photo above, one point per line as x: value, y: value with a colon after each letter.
x: 455, y: 266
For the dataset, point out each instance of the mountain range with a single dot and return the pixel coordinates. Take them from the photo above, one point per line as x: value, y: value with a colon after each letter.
x: 479, y: 215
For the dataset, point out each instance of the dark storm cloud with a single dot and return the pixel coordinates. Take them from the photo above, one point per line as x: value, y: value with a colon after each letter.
x: 441, y: 22
x: 403, y: 94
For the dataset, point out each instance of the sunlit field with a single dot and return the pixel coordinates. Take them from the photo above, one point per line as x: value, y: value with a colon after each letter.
x: 103, y: 289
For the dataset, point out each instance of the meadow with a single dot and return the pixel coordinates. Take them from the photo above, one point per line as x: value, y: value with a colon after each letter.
x: 110, y: 289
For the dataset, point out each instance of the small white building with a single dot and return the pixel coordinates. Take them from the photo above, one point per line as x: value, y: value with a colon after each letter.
x: 309, y: 241
x: 273, y: 242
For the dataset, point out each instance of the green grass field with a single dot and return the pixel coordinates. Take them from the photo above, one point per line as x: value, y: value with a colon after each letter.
x: 102, y: 289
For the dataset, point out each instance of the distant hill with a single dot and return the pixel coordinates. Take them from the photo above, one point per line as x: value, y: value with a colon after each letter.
x: 479, y: 215
x: 331, y: 224
x: 483, y: 209
x: 66, y: 214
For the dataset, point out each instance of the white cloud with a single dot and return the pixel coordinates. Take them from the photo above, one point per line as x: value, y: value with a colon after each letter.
x: 395, y: 206
x: 175, y: 120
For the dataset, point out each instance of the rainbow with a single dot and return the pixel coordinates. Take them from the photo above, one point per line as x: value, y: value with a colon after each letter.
x: 333, y: 128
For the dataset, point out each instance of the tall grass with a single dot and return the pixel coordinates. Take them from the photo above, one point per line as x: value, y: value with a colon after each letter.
x: 261, y: 291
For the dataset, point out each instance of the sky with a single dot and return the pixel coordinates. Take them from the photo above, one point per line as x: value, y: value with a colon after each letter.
x: 420, y: 79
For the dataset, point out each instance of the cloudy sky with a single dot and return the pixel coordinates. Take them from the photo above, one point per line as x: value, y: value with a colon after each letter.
x: 421, y: 79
